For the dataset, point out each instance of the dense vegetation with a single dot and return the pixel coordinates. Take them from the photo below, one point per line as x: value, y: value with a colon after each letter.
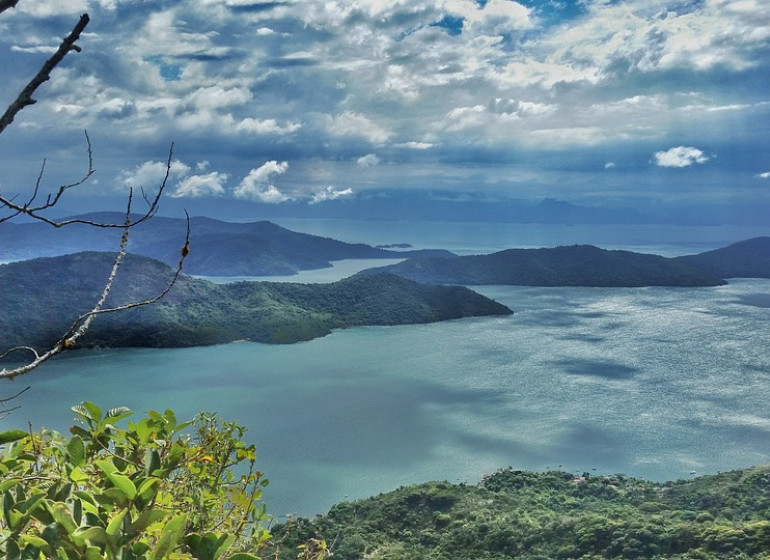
x: 155, y: 489
x: 577, y: 265
x: 40, y: 298
x: 219, y: 248
x: 555, y: 515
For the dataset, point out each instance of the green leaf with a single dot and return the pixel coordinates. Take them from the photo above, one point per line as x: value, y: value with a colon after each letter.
x: 93, y: 553
x: 169, y: 537
x: 148, y: 487
x: 243, y: 556
x: 119, y: 411
x: 92, y: 534
x: 151, y: 461
x: 76, y: 451
x: 33, y: 540
x: 77, y: 475
x: 147, y: 518
x: 124, y: 484
x: 12, y: 435
x: 9, y: 483
x: 88, y: 411
x: 63, y: 516
x: 114, y: 525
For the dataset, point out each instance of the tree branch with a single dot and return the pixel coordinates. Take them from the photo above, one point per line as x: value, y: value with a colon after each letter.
x: 5, y: 4
x: 81, y: 325
x: 44, y: 74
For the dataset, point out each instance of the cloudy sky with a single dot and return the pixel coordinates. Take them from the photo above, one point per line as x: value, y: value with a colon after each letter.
x: 590, y: 101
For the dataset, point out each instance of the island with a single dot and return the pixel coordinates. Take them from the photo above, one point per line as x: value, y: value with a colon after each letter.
x: 41, y: 297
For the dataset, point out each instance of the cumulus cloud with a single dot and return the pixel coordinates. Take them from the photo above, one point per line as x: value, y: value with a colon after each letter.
x: 680, y: 156
x: 201, y: 185
x: 149, y: 175
x: 330, y: 193
x: 258, y: 186
x: 266, y: 126
x: 369, y: 160
x: 609, y: 165
x: 350, y: 123
x: 765, y: 175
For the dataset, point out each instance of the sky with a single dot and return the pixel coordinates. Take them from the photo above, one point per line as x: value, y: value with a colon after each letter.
x: 301, y: 103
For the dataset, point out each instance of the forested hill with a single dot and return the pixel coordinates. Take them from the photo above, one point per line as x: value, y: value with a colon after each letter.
x: 746, y: 259
x: 577, y: 265
x: 39, y: 298
x: 218, y: 248
x: 552, y: 515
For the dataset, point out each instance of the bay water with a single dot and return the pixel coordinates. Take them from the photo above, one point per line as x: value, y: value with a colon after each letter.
x: 662, y: 383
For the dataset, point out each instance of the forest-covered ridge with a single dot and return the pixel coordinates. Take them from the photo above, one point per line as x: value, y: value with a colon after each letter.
x: 586, y: 265
x: 41, y: 297
x: 553, y: 515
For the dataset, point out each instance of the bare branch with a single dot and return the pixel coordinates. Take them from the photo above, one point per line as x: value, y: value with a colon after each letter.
x: 6, y: 411
x: 81, y: 325
x: 44, y: 74
x: 5, y: 4
x: 37, y: 212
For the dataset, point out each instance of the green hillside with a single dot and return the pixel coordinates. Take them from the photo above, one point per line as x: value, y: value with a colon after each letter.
x: 552, y: 515
x: 40, y: 298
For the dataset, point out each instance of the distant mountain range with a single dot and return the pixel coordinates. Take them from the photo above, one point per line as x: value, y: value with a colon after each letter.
x: 586, y: 265
x: 217, y: 248
x: 39, y: 299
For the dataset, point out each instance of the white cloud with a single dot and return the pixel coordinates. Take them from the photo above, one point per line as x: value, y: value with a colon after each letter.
x: 350, y: 123
x: 266, y: 126
x: 765, y: 175
x: 213, y: 97
x: 414, y: 145
x: 330, y: 193
x: 680, y: 156
x: 609, y: 165
x: 149, y: 175
x: 257, y: 185
x: 201, y: 185
x: 462, y: 118
x: 369, y: 160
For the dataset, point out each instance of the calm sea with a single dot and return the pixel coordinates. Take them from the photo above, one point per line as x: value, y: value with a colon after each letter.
x: 653, y: 382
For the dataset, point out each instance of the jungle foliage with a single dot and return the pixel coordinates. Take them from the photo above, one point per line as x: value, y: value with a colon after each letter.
x: 555, y: 515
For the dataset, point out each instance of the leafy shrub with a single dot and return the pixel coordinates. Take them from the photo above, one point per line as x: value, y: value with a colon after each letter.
x: 156, y: 489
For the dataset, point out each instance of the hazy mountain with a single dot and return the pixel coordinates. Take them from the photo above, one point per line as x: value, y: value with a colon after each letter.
x: 745, y: 259
x: 217, y: 248
x: 577, y: 265
x: 39, y: 298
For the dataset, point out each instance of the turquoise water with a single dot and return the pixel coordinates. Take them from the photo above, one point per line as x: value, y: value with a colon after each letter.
x: 652, y: 382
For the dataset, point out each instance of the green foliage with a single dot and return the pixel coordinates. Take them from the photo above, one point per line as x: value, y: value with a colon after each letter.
x: 554, y: 515
x: 156, y: 489
x: 40, y: 298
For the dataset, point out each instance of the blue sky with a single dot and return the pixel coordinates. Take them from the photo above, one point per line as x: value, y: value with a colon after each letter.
x: 597, y: 102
